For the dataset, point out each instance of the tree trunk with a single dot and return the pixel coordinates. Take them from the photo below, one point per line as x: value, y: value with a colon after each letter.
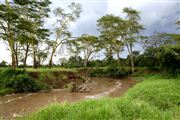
x: 11, y: 45
x: 132, y: 63
x: 51, y: 58
x: 118, y: 57
x: 131, y: 56
x: 13, y: 59
x: 39, y: 61
x: 85, y: 63
x: 34, y: 57
x: 16, y: 55
x: 26, y: 55
x: 13, y: 63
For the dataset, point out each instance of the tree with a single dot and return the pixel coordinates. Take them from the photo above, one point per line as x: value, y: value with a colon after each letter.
x: 88, y: 45
x: 109, y: 26
x: 21, y: 24
x: 31, y: 32
x: 61, y: 31
x: 39, y: 11
x: 8, y: 22
x: 157, y: 40
x: 125, y: 30
x: 131, y: 32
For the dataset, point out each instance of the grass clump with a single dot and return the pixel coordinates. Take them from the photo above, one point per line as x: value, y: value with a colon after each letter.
x: 155, y: 98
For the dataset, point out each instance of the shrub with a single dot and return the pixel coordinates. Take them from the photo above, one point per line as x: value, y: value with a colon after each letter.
x: 111, y: 71
x: 117, y: 72
x: 97, y: 72
x: 12, y: 80
x: 149, y: 59
x: 169, y: 58
x: 23, y: 83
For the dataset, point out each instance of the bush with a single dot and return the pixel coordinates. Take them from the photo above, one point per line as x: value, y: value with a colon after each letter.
x: 111, y: 71
x: 7, y: 77
x: 12, y: 80
x: 169, y: 58
x: 117, y: 72
x: 149, y: 59
x: 23, y: 83
x: 97, y: 72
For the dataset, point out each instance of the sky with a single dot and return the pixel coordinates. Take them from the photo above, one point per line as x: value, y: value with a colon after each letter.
x: 156, y: 15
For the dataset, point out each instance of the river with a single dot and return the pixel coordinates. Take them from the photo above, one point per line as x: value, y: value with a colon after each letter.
x: 17, y: 105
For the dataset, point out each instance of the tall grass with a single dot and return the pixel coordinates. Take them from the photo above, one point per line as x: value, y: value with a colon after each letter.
x: 154, y: 98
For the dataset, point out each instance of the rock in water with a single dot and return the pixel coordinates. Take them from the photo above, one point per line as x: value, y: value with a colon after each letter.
x: 16, y: 115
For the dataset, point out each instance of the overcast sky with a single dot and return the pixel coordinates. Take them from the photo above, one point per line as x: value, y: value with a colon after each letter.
x: 156, y: 15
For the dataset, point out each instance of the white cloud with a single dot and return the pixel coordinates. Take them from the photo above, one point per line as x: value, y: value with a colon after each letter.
x: 4, y: 53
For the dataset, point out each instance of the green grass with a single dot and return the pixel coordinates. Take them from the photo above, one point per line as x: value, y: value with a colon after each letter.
x: 154, y: 98
x: 52, y: 69
x: 41, y: 69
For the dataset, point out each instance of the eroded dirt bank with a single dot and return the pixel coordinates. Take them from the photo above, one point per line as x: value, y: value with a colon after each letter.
x: 17, y: 105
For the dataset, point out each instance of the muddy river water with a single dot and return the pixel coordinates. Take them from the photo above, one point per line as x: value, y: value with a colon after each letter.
x: 17, y: 105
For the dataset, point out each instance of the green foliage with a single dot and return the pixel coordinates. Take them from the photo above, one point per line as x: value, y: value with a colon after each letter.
x: 62, y: 32
x: 112, y: 71
x: 98, y: 72
x: 3, y: 64
x: 23, y: 83
x: 87, y: 45
x: 73, y: 62
x: 116, y: 72
x: 4, y: 91
x: 12, y: 80
x: 21, y: 24
x: 152, y: 99
x: 169, y: 58
x: 149, y: 59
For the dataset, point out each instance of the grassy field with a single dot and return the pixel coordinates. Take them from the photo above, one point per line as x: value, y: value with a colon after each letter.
x: 155, y: 98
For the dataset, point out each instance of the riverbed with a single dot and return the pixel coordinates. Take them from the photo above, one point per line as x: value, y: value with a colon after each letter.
x: 18, y: 105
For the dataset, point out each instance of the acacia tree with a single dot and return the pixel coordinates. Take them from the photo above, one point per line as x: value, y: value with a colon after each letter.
x: 125, y: 30
x: 21, y: 23
x: 62, y: 23
x: 39, y: 13
x: 109, y: 26
x: 31, y: 32
x: 8, y: 22
x: 88, y: 46
x: 131, y: 32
